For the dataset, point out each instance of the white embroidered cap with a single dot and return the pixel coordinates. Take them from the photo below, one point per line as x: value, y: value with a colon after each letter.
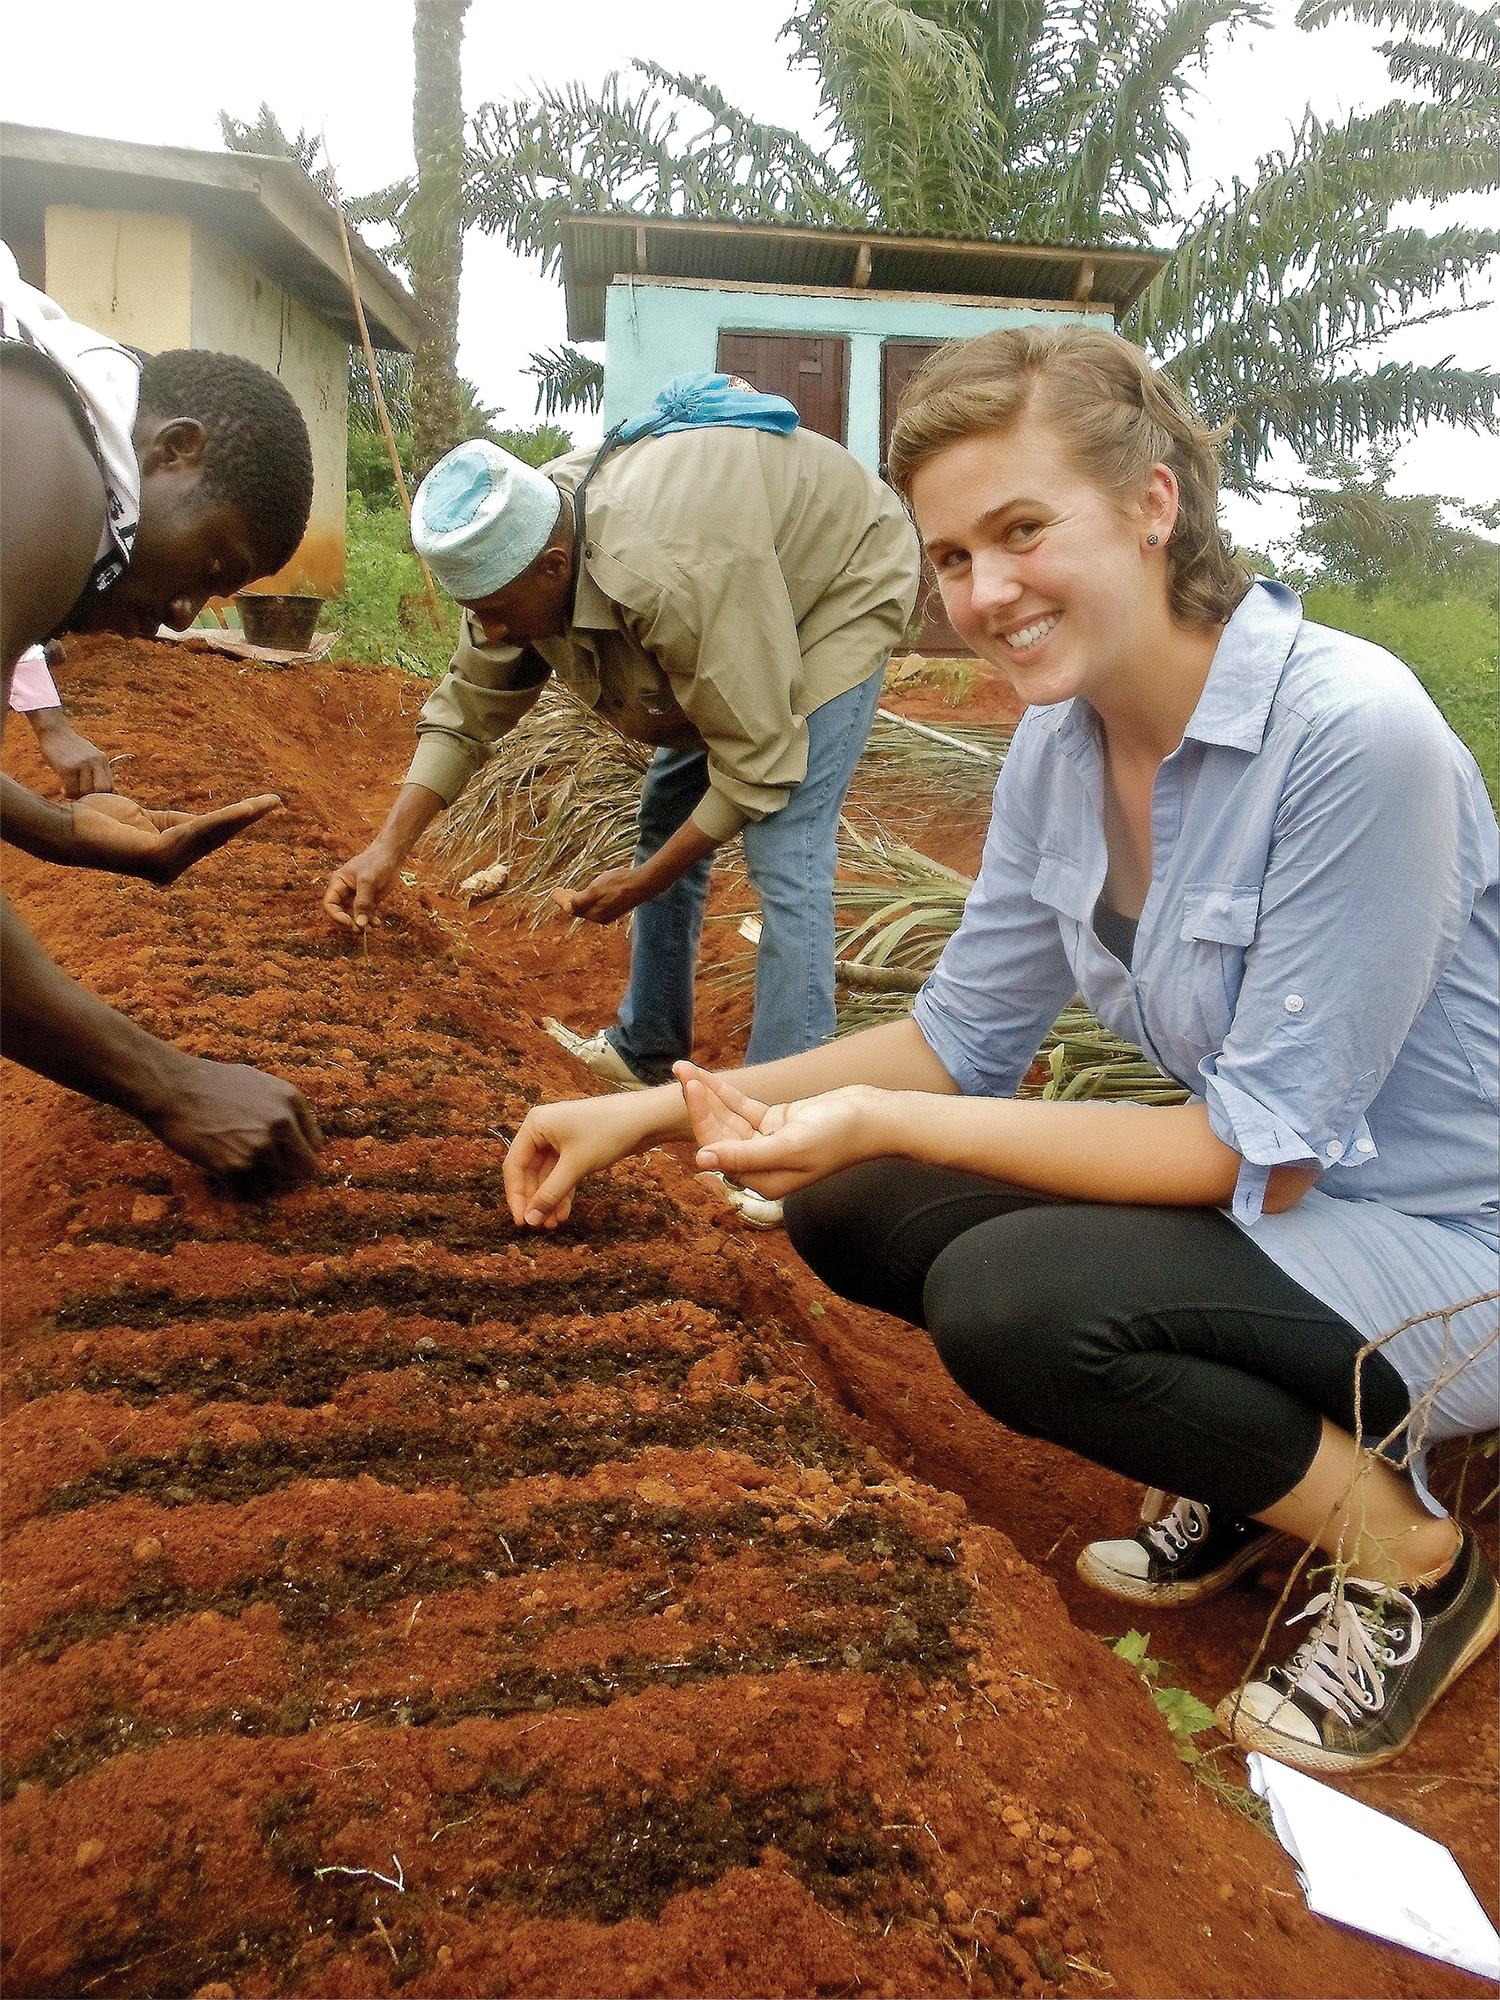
x: 480, y: 517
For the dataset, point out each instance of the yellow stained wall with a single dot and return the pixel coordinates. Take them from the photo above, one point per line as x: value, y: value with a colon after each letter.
x: 124, y: 272
x: 158, y: 281
x: 240, y: 310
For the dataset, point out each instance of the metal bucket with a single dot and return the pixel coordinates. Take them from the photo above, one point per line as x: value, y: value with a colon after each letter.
x: 285, y: 624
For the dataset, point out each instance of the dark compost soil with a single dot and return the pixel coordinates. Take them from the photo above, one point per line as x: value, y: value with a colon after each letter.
x: 396, y: 1603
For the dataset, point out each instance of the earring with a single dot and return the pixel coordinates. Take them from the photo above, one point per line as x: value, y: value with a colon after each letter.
x: 1151, y: 541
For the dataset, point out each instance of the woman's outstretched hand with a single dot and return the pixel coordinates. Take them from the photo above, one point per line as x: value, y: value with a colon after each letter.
x: 778, y: 1148
x: 560, y: 1143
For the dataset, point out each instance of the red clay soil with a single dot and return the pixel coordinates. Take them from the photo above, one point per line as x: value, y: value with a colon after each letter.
x: 394, y: 1603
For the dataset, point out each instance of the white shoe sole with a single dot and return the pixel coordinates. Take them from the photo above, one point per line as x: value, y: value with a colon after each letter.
x: 585, y: 1047
x: 1246, y: 1732
x: 756, y: 1209
x: 1140, y: 1589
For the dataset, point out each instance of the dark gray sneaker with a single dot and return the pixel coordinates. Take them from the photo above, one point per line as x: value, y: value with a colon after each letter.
x: 1177, y: 1557
x: 1355, y: 1690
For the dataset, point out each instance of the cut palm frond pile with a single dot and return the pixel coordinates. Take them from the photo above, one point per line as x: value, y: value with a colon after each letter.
x: 1085, y: 1059
x: 556, y: 804
x: 939, y: 744
x: 894, y: 910
x: 895, y: 916
x: 912, y: 772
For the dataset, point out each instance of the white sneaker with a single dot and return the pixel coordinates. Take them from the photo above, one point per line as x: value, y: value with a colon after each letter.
x: 757, y: 1209
x: 598, y: 1055
x: 1179, y: 1556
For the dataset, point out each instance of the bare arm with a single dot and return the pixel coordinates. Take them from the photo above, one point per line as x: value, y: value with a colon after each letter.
x: 116, y: 835
x: 224, y: 1116
x: 355, y: 889
x: 618, y: 891
x: 1095, y: 1152
x: 560, y: 1143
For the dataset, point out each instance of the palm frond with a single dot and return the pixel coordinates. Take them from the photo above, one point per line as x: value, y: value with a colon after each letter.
x: 566, y: 380
x: 1462, y: 30
x: 556, y: 804
x: 912, y: 93
x: 533, y: 161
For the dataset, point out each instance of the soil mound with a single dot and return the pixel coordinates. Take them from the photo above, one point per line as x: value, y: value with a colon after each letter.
x: 397, y: 1604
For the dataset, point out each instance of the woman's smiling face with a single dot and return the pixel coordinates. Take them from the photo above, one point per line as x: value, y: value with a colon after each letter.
x: 1042, y: 573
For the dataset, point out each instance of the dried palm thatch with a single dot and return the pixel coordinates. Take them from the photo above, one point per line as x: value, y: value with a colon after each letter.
x: 556, y: 804
x: 901, y: 909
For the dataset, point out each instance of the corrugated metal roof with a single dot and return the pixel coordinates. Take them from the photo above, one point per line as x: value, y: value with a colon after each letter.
x: 598, y: 248
x: 266, y: 207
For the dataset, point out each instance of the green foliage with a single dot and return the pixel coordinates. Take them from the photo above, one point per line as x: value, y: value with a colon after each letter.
x: 383, y: 613
x: 1450, y: 646
x: 1187, y: 1717
x: 537, y: 446
x: 1064, y: 120
x: 370, y: 476
x: 567, y: 380
x: 1184, y: 1714
x: 1361, y: 534
x: 266, y: 136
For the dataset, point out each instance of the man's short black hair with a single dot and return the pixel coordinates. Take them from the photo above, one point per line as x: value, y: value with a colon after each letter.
x: 258, y: 456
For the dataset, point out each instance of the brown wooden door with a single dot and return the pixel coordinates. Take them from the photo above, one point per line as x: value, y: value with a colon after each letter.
x: 809, y: 370
x: 899, y: 361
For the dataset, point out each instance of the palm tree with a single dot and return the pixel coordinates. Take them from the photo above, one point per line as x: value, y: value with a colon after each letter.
x: 431, y: 226
x: 1037, y: 120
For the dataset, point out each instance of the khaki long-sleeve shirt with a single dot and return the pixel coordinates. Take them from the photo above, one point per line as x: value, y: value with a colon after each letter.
x: 730, y: 583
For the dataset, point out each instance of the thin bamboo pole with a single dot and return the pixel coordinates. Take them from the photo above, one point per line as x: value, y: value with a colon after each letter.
x: 937, y: 736
x: 375, y: 390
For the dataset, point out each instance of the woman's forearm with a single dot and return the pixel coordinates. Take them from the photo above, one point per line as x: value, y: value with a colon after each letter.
x: 894, y: 1057
x: 1152, y: 1155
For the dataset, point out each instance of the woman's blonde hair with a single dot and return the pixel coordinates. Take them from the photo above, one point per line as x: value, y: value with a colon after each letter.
x: 1117, y: 415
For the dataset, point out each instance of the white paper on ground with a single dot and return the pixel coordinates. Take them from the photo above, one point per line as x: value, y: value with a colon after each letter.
x: 1362, y: 1868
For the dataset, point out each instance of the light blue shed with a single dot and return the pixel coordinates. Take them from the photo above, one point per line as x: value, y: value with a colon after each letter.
x: 835, y: 320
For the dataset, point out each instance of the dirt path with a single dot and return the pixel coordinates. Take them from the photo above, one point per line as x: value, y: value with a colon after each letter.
x: 395, y: 1604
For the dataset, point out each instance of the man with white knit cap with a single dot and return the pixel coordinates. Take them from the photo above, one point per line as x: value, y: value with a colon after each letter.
x: 732, y: 597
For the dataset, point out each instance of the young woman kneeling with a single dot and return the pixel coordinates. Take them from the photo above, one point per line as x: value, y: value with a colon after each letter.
x: 1257, y: 850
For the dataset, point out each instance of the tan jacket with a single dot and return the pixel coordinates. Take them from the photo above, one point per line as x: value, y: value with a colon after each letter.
x: 731, y: 582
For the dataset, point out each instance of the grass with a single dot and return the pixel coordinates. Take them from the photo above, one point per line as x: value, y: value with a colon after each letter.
x: 382, y: 615
x: 1449, y: 644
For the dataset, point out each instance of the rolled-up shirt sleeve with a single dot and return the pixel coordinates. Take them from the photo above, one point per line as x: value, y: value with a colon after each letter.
x: 1371, y: 878
x: 31, y: 685
x: 483, y: 695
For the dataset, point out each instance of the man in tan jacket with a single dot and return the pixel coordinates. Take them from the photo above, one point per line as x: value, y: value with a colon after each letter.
x: 728, y: 594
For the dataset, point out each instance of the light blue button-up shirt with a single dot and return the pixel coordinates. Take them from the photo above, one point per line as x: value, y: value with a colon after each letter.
x: 1317, y: 960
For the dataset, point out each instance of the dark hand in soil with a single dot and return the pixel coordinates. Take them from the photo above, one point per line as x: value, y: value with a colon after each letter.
x: 82, y: 767
x: 355, y: 889
x: 233, y: 1120
x: 115, y: 833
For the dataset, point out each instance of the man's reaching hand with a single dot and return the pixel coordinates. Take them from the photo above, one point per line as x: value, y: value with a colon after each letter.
x: 115, y: 833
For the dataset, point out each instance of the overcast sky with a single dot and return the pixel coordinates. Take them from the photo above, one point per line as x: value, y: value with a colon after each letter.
x: 161, y: 70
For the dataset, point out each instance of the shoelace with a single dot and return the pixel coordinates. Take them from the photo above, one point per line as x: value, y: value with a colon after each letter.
x: 1340, y: 1663
x: 1178, y: 1530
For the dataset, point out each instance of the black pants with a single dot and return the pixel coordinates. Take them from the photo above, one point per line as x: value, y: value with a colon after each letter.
x: 1157, y: 1341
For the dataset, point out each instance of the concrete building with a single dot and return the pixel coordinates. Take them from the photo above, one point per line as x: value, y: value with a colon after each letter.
x: 837, y: 321
x: 163, y: 247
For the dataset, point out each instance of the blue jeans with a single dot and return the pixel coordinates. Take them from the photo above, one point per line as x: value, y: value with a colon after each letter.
x: 790, y: 856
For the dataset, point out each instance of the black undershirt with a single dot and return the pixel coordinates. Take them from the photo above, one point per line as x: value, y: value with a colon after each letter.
x: 1114, y: 932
